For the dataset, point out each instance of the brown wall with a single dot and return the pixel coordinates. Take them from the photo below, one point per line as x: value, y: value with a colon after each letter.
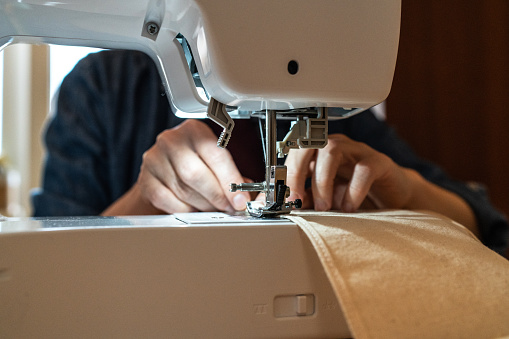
x: 450, y: 97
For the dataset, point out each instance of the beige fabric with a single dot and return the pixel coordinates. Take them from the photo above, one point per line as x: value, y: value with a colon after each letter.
x: 403, y: 274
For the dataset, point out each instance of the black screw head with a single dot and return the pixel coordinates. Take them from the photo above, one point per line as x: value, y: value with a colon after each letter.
x: 152, y: 28
x: 297, y: 203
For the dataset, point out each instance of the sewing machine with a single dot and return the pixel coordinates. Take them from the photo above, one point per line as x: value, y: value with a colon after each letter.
x: 250, y: 57
x: 305, y: 60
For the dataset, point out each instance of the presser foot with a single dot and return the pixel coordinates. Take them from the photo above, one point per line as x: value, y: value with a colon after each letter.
x: 275, y: 204
x: 257, y: 209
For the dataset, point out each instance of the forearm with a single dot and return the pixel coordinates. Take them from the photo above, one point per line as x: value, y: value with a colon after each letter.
x: 428, y: 196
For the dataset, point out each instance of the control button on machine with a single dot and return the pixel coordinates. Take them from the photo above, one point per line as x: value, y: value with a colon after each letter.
x: 294, y: 305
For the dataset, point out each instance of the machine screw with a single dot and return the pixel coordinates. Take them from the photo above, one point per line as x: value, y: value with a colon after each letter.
x: 248, y: 187
x: 297, y: 203
x: 152, y: 28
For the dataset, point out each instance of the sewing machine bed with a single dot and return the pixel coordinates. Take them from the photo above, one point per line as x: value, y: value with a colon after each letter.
x: 207, y: 275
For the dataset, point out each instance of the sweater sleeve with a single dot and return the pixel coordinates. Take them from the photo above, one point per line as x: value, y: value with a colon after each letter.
x: 109, y: 111
x: 74, y: 177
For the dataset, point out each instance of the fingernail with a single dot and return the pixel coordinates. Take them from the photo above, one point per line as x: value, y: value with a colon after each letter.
x: 239, y: 202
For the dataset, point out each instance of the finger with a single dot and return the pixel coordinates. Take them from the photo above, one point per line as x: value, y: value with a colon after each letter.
x: 160, y: 196
x: 307, y: 199
x: 196, y: 183
x: 298, y: 164
x: 328, y: 161
x: 260, y: 197
x: 335, y: 164
x: 158, y: 171
x: 364, y: 174
x: 340, y: 187
x: 225, y: 171
x: 371, y: 203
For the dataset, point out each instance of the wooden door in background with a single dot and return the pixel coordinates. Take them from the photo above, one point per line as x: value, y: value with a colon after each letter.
x: 450, y: 97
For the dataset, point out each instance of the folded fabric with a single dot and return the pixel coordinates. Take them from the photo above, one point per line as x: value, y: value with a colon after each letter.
x: 405, y: 274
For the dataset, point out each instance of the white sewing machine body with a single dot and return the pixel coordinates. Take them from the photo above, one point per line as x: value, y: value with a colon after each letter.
x: 210, y: 276
x: 343, y: 52
x: 291, y: 58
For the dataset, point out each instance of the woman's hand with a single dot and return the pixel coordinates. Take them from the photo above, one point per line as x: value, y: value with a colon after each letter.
x: 184, y: 171
x: 346, y: 175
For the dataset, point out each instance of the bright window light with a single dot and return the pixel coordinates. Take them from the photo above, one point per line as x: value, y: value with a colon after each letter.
x: 62, y: 61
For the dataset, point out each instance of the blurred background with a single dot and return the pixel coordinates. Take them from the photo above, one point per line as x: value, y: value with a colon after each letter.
x: 31, y: 76
x: 450, y: 97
